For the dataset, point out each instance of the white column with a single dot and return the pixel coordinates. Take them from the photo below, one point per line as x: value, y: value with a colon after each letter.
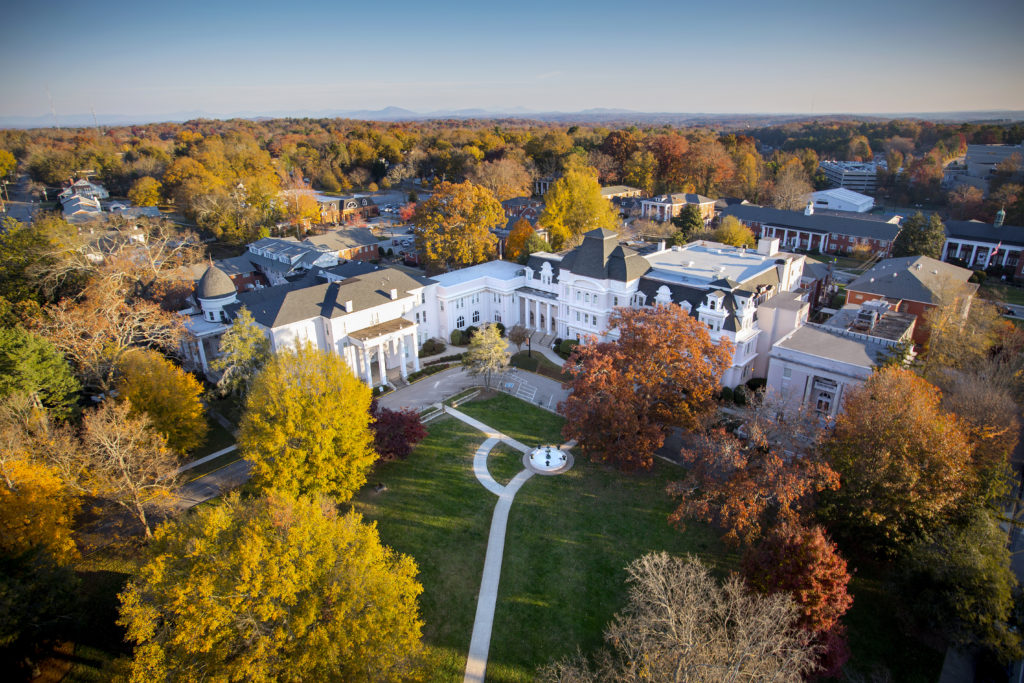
x: 551, y: 319
x: 974, y: 251
x: 1005, y: 254
x: 945, y: 250
x: 401, y: 351
x: 380, y: 363
x: 415, y: 358
x: 367, y: 374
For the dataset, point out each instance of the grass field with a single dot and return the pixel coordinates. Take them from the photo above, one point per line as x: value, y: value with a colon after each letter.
x: 1004, y: 293
x: 569, y: 539
x: 540, y: 364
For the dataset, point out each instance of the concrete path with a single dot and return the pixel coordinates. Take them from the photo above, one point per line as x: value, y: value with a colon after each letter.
x: 480, y: 642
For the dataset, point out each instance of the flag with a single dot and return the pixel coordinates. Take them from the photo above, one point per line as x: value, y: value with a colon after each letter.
x: 994, y: 252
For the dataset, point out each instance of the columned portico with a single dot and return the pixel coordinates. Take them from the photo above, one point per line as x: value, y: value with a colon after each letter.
x: 394, y: 341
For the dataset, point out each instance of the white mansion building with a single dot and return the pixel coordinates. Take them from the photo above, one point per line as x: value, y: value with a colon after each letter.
x: 377, y: 317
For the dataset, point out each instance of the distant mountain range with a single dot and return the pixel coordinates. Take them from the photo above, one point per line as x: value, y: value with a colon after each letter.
x: 599, y: 115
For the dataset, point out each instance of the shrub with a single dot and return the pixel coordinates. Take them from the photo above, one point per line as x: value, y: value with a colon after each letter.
x: 426, y: 372
x: 432, y: 347
x: 739, y: 395
x: 726, y: 394
x: 458, y: 338
x: 756, y: 384
x: 979, y: 276
x: 557, y: 343
x: 471, y: 332
x: 567, y: 346
x: 501, y: 329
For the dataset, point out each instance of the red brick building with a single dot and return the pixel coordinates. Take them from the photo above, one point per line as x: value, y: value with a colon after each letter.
x: 822, y: 232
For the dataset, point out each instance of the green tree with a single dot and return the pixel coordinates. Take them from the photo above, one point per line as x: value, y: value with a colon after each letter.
x: 453, y: 227
x: 306, y: 425
x: 534, y: 243
x: 689, y: 221
x: 31, y: 365
x: 273, y: 589
x: 25, y: 251
x: 959, y: 582
x: 639, y: 170
x: 244, y: 350
x: 167, y: 394
x: 920, y: 236
x: 487, y: 353
x: 731, y: 231
x: 574, y: 205
x: 145, y: 191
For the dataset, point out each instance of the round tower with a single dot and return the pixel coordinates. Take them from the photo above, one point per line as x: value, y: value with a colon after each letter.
x: 214, y: 292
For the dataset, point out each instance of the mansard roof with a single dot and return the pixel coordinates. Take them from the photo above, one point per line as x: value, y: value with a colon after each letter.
x: 602, y: 258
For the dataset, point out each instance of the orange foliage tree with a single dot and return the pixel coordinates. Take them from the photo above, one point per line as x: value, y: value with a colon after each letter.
x: 903, y: 461
x: 627, y: 393
x: 517, y: 237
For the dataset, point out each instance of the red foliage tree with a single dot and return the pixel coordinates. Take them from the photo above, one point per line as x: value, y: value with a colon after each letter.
x: 627, y: 393
x: 395, y: 432
x: 407, y: 212
x: 806, y: 564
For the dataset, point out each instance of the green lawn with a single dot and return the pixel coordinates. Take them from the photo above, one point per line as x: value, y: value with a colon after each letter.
x: 540, y: 364
x: 568, y: 541
x: 504, y: 462
x: 515, y: 418
x: 1004, y: 293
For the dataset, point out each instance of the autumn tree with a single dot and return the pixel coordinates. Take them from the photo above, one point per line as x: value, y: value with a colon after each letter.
x: 518, y: 334
x: 487, y: 353
x: 505, y: 178
x: 395, y: 432
x: 95, y: 330
x: 966, y: 201
x: 244, y: 350
x: 121, y: 458
x: 306, y: 425
x: 805, y: 564
x: 904, y: 463
x: 145, y: 191
x: 36, y: 506
x: 679, y: 624
x: 671, y: 151
x: 26, y: 251
x: 962, y: 330
x: 574, y: 205
x: 920, y: 236
x: 768, y: 477
x: 7, y: 163
x: 628, y: 392
x: 639, y: 170
x: 690, y: 221
x: 958, y: 581
x: 453, y: 227
x: 792, y: 189
x: 30, y: 365
x: 273, y: 588
x: 708, y: 166
x: 515, y: 243
x: 734, y: 233
x: 154, y: 386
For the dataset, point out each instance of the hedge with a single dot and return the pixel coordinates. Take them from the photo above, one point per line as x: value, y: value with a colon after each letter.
x: 458, y: 338
x: 726, y: 394
x: 426, y: 372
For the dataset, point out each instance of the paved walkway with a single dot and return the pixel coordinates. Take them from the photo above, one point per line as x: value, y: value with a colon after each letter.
x: 537, y: 389
x: 480, y: 642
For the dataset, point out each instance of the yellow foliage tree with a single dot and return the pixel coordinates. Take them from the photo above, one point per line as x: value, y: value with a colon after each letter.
x: 273, y: 589
x: 167, y: 394
x: 306, y: 426
x: 36, y: 506
x: 574, y: 205
x: 517, y: 238
x: 731, y: 231
x: 145, y: 191
x: 453, y: 227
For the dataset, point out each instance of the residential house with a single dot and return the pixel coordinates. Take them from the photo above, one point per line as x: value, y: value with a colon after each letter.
x: 279, y: 258
x: 810, y: 231
x: 79, y: 208
x: 357, y: 208
x: 914, y: 285
x: 611, y: 192
x: 664, y: 208
x: 352, y: 244
x: 83, y: 188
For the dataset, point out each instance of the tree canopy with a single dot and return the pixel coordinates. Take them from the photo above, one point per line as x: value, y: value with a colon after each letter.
x: 273, y: 589
x: 626, y: 393
x: 920, y: 236
x: 734, y: 233
x: 31, y: 365
x: 574, y: 205
x: 244, y: 350
x: 515, y: 243
x: 487, y: 353
x: 453, y: 227
x: 306, y: 425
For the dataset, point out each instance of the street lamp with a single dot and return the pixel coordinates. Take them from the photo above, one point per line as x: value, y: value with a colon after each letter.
x: 529, y: 348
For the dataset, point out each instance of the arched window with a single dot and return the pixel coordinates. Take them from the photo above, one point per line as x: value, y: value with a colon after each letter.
x: 476, y: 317
x: 460, y: 322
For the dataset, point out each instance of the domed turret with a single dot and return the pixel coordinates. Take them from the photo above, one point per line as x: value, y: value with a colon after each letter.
x: 215, y: 291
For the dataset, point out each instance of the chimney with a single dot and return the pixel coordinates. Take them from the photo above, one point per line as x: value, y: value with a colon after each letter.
x: 394, y: 294
x: 809, y: 211
x: 661, y: 245
x: 1000, y: 217
x: 768, y: 246
x: 349, y: 307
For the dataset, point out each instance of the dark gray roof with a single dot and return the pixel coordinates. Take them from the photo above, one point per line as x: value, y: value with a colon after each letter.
x: 536, y: 262
x: 349, y: 269
x: 820, y: 223
x: 600, y: 257
x: 284, y: 304
x: 692, y: 295
x: 985, y: 232
x: 237, y: 265
x: 215, y: 284
x: 913, y: 278
x: 815, y: 269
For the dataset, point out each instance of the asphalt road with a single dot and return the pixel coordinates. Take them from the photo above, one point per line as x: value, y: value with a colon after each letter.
x: 22, y: 206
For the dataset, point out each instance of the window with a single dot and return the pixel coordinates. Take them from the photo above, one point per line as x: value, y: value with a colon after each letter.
x: 460, y: 322
x: 615, y: 301
x: 497, y: 317
x: 476, y: 317
x: 496, y: 298
x: 579, y: 295
x: 586, y: 298
x: 787, y: 373
x: 442, y: 305
x: 577, y: 316
x: 594, y: 317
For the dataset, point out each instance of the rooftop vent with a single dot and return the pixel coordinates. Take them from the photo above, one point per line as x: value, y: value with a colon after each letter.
x: 935, y: 272
x: 918, y: 266
x: 394, y: 294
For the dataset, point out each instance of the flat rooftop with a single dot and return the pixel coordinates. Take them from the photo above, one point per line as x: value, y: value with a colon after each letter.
x: 892, y: 325
x: 499, y: 270
x: 700, y: 263
x: 822, y: 343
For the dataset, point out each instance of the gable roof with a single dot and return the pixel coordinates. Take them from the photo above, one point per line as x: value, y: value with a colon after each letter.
x: 346, y: 238
x: 293, y: 302
x: 977, y: 231
x: 681, y: 198
x: 815, y: 222
x: 913, y: 278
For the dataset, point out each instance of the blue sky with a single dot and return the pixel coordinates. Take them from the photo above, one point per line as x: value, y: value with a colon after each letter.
x: 150, y: 59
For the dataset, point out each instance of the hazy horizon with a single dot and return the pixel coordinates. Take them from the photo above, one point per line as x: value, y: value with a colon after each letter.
x: 796, y: 58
